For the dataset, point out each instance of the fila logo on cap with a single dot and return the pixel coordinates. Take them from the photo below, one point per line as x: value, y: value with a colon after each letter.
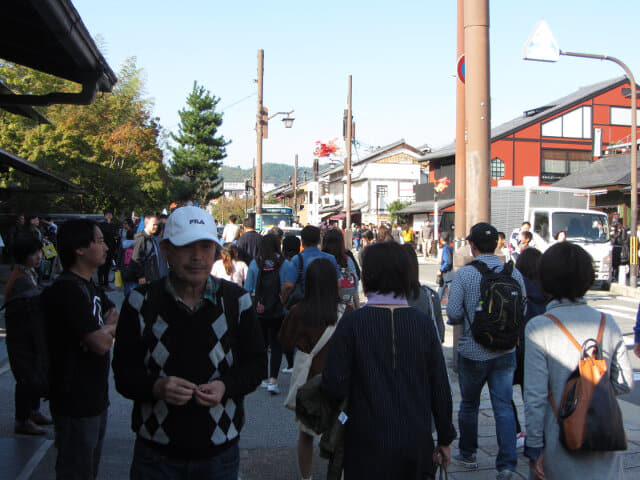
x: 196, y: 220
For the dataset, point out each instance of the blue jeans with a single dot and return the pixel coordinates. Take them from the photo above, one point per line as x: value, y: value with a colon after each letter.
x: 498, y: 374
x: 79, y: 442
x: 149, y: 465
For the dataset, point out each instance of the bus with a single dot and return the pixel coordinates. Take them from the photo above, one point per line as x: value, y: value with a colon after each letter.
x: 272, y: 216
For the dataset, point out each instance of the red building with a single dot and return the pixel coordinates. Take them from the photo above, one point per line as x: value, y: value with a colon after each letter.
x: 554, y: 140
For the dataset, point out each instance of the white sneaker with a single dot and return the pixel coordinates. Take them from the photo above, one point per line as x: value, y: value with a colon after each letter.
x: 287, y: 370
x: 264, y: 384
x: 273, y: 389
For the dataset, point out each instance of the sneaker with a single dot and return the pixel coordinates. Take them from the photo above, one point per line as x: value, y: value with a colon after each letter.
x: 273, y: 389
x: 505, y: 475
x: 287, y: 370
x: 467, y: 461
x: 265, y: 384
x: 40, y: 419
x: 520, y: 438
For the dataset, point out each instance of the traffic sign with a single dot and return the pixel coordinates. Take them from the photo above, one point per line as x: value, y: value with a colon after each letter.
x: 541, y: 46
x: 460, y: 68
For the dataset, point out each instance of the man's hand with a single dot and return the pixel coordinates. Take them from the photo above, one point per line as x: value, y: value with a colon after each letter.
x: 439, y: 273
x: 636, y: 349
x: 142, y: 281
x: 111, y: 318
x: 174, y: 390
x: 442, y: 455
x: 210, y: 394
x: 536, y: 468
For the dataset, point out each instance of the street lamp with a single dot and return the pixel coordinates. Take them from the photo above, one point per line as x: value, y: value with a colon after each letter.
x: 288, y: 120
x: 542, y: 47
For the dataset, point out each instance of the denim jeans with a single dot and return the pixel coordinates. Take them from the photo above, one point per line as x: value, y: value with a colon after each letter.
x: 79, y: 443
x: 149, y: 465
x: 498, y: 374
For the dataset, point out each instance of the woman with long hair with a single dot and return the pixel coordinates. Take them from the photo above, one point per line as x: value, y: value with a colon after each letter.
x: 229, y: 267
x: 387, y: 358
x: 302, y: 328
x: 384, y: 235
x: 333, y: 244
x: 264, y: 281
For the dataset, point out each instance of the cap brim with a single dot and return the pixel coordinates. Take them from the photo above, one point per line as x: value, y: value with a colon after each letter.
x: 186, y: 238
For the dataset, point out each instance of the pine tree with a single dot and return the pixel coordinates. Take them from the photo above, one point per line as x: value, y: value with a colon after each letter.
x: 198, y: 156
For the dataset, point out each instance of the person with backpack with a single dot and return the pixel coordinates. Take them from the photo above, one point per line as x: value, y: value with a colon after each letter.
x: 81, y: 325
x: 566, y: 273
x: 264, y: 281
x: 21, y: 332
x: 293, y: 288
x: 304, y: 326
x: 487, y: 299
x: 333, y: 244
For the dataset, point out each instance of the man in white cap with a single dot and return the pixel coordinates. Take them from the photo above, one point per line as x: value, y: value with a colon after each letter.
x: 188, y: 349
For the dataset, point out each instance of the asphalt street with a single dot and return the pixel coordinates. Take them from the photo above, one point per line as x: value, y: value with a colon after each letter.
x: 267, y: 441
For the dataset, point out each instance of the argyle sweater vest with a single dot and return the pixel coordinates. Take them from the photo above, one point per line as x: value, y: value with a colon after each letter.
x: 198, y: 346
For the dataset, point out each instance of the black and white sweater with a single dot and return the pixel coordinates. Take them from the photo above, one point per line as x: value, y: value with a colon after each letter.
x: 157, y: 336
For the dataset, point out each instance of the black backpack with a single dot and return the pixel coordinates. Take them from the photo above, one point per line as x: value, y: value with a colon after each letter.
x: 298, y: 290
x: 267, y: 296
x: 499, y: 316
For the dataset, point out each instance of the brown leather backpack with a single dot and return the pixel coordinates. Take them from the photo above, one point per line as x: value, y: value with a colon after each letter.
x: 589, y: 416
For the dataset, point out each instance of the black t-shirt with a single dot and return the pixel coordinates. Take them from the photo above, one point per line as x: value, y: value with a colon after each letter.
x: 79, y: 376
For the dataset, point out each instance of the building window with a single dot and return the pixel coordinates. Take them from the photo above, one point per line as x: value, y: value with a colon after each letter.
x: 381, y: 193
x: 622, y: 116
x: 573, y: 124
x: 497, y: 168
x: 556, y: 164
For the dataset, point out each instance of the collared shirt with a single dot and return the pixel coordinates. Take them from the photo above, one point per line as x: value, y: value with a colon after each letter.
x: 209, y: 294
x: 464, y: 294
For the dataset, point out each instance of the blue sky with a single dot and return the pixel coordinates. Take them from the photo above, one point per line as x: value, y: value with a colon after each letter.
x: 402, y: 56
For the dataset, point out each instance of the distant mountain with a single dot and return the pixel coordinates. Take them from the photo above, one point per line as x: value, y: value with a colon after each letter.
x: 276, y: 173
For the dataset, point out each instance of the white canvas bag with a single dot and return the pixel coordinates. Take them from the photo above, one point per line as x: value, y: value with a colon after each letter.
x: 302, y: 363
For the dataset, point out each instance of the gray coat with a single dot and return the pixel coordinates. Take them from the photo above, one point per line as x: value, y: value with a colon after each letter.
x: 550, y: 357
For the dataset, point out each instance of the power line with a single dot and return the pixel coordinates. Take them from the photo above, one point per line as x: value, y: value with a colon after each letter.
x: 238, y: 101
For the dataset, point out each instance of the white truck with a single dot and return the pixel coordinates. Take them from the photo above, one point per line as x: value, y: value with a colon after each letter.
x: 550, y: 210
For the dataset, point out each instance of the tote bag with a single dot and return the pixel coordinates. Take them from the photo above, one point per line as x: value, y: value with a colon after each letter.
x: 302, y: 363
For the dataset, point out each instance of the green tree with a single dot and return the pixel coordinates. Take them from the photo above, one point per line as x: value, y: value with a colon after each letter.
x: 394, y: 209
x: 198, y: 156
x: 109, y: 148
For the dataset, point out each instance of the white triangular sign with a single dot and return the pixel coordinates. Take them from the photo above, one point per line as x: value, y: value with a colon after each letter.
x: 541, y: 45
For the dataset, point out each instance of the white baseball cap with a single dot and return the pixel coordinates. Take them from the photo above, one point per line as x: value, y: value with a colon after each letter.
x: 190, y: 224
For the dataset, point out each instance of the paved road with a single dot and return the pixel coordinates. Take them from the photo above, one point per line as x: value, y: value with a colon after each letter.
x: 268, y: 439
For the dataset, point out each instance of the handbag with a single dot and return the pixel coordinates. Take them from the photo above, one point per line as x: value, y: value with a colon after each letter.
x: 439, y: 280
x: 302, y: 363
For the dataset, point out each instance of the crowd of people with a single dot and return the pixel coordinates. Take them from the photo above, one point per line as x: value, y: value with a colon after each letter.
x: 207, y: 320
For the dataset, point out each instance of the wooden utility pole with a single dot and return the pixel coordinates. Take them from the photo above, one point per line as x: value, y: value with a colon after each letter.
x: 347, y: 171
x: 477, y: 110
x: 259, y: 126
x: 295, y: 186
x: 461, y: 227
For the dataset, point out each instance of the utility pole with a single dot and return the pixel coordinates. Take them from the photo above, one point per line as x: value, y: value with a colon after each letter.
x: 259, y: 135
x: 347, y: 170
x: 295, y: 186
x: 477, y: 109
x: 461, y: 227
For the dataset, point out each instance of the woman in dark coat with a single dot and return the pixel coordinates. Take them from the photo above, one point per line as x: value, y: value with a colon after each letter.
x: 386, y: 357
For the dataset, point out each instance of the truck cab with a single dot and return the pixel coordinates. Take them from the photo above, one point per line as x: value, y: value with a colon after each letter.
x: 587, y: 228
